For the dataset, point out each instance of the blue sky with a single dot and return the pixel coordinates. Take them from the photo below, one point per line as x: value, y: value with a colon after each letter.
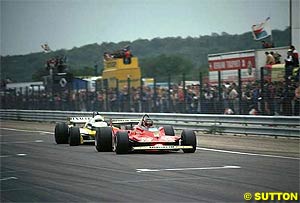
x: 64, y: 24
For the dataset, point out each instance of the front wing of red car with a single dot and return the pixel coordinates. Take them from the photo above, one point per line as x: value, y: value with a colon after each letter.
x: 161, y: 147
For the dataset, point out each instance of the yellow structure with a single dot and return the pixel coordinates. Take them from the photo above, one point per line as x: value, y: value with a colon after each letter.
x: 278, y: 72
x: 116, y: 70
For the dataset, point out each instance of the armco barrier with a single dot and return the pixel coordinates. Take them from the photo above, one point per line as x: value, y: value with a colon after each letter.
x: 286, y: 126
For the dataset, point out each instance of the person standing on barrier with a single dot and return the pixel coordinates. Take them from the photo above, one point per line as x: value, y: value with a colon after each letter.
x: 270, y: 60
x: 289, y: 64
x: 234, y: 98
x: 295, y: 56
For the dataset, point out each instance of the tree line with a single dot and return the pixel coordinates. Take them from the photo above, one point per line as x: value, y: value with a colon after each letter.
x: 158, y: 56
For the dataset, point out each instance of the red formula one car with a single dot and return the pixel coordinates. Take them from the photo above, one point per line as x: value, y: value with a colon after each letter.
x: 144, y: 137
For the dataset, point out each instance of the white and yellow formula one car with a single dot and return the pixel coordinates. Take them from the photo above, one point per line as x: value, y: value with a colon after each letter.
x: 70, y: 133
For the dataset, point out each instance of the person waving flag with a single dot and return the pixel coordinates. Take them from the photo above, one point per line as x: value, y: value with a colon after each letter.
x: 46, y: 48
x: 261, y: 30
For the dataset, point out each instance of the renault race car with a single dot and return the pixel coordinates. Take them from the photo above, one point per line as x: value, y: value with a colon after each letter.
x: 144, y: 137
x: 74, y: 135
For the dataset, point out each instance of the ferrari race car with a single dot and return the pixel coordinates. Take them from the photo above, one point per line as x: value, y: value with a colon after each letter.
x: 144, y: 137
x: 74, y: 135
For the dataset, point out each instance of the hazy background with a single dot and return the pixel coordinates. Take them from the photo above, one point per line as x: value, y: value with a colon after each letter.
x: 64, y: 24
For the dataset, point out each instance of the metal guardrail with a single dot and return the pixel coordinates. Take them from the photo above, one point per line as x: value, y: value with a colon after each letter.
x: 284, y: 126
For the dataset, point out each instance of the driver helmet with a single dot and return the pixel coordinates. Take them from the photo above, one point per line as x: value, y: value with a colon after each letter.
x: 148, y: 122
x: 98, y: 118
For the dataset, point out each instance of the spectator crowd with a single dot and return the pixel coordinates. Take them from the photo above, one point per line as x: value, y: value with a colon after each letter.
x: 273, y: 98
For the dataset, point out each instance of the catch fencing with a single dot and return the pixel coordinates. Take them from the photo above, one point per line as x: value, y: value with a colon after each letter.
x: 281, y: 126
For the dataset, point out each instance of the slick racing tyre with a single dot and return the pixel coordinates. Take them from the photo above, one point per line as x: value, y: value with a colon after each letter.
x: 61, y: 133
x: 188, y: 138
x: 169, y: 130
x: 122, y: 143
x: 103, y: 139
x: 74, y: 136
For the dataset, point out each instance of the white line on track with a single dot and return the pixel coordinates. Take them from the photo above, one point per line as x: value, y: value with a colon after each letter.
x: 8, y: 178
x: 248, y: 154
x: 29, y: 131
x: 22, y: 142
x: 5, y: 156
x: 186, y: 169
x: 21, y: 154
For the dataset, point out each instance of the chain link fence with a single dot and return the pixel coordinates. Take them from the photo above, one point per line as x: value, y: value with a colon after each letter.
x: 165, y: 94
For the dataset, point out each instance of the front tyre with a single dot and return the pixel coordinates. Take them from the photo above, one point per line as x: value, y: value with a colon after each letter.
x: 122, y: 143
x: 103, y: 139
x: 61, y: 133
x: 74, y: 136
x: 169, y: 130
x: 188, y: 138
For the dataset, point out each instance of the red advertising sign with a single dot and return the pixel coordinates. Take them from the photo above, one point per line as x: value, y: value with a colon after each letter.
x: 231, y: 63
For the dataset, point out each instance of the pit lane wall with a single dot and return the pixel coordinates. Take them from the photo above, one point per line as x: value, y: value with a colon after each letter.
x: 281, y: 126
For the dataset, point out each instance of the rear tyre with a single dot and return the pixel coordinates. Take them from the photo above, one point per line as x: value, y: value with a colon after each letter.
x: 122, y: 143
x: 103, y: 139
x: 169, y: 130
x: 61, y: 133
x: 188, y: 138
x: 74, y: 136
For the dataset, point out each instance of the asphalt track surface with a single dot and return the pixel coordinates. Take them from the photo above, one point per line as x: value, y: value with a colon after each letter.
x: 35, y: 169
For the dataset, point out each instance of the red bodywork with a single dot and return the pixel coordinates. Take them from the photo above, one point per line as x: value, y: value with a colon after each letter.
x: 153, y: 136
